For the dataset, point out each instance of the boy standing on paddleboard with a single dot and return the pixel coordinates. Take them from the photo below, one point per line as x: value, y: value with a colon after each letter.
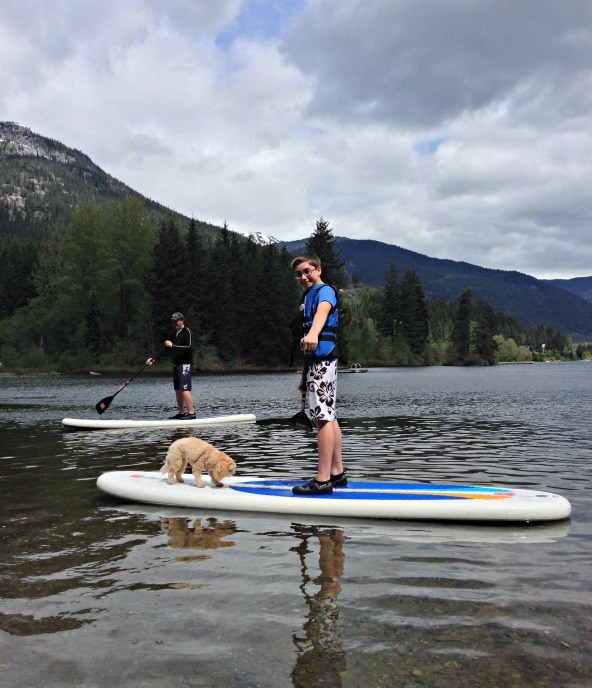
x: 319, y: 373
x: 182, y: 352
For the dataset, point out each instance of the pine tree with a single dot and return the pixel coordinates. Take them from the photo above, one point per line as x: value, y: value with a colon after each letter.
x: 17, y: 264
x: 390, y: 306
x: 484, y: 344
x: 131, y: 235
x: 198, y: 268
x: 223, y: 323
x: 169, y: 284
x: 322, y: 243
x: 413, y: 312
x: 461, y: 334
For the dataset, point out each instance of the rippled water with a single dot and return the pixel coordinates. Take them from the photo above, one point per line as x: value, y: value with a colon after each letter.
x: 101, y: 593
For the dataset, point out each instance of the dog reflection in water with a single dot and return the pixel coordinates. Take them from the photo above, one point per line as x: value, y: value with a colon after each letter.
x: 207, y: 535
x: 200, y: 456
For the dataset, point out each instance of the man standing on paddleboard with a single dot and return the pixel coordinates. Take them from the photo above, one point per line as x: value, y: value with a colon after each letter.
x: 319, y: 373
x: 182, y: 352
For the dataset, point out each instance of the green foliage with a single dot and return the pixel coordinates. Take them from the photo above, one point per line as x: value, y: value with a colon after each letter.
x: 322, y: 243
x: 484, y: 344
x: 508, y: 351
x: 413, y: 313
x: 461, y: 333
x: 17, y: 263
x: 584, y: 351
x: 390, y: 303
x: 104, y: 283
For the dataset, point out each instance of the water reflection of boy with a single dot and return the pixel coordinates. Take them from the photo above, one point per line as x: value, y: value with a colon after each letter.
x: 321, y: 658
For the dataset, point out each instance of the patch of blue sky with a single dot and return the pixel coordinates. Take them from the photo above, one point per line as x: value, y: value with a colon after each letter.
x: 259, y: 19
x: 429, y: 146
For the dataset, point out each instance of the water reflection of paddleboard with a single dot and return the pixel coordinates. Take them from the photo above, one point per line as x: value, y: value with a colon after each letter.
x: 360, y: 499
x: 399, y: 531
x: 103, y: 424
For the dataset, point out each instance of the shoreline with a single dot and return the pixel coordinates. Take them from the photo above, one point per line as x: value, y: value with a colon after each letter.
x: 115, y: 372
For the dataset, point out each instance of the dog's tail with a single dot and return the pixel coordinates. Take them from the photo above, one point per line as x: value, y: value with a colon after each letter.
x: 165, y: 466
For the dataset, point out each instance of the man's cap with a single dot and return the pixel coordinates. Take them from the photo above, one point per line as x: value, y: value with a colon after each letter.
x: 177, y: 316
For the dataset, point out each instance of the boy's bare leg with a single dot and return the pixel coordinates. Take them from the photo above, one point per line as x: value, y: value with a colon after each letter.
x: 330, y: 448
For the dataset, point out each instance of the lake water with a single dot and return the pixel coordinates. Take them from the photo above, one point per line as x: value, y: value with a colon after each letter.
x: 96, y: 592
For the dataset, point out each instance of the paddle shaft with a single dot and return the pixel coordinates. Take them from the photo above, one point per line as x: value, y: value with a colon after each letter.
x: 301, y: 419
x: 104, y: 404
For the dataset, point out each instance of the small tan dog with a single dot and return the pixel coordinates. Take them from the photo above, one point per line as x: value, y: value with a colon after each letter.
x: 199, y: 455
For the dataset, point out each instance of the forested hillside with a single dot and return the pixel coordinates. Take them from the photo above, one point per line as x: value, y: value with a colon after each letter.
x: 90, y: 272
x: 99, y: 291
x: 581, y: 286
x: 42, y: 180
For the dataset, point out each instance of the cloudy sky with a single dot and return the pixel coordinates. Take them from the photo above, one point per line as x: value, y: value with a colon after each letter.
x: 460, y: 129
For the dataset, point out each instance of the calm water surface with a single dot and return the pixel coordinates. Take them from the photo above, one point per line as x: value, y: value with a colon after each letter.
x: 96, y: 592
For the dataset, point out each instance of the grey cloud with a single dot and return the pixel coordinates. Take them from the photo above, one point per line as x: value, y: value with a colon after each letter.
x: 421, y: 63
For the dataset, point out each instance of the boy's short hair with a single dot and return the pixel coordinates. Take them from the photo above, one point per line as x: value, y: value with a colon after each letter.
x: 311, y: 258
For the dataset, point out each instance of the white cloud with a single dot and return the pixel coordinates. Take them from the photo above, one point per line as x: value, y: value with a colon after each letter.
x: 457, y: 129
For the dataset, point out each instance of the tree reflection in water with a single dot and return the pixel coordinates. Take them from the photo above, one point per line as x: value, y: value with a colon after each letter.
x: 321, y: 658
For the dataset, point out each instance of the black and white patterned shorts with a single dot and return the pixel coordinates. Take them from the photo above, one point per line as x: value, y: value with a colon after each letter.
x: 321, y: 390
x: 182, y: 377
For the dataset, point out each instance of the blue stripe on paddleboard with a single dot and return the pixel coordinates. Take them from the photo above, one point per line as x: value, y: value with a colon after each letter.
x: 353, y: 495
x: 373, y: 487
x: 378, y: 491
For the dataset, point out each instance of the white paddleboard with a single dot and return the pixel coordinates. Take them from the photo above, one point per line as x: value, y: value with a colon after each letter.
x: 103, y: 423
x: 360, y: 499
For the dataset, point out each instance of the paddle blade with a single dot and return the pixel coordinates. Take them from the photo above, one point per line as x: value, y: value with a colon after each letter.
x: 301, y: 420
x: 104, y: 404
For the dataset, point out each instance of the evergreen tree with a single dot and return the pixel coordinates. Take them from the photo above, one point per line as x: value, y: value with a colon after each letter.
x: 168, y: 285
x: 441, y: 317
x: 485, y: 345
x: 17, y: 264
x: 461, y: 334
x: 322, y: 243
x: 413, y: 312
x: 131, y: 236
x: 390, y: 306
x: 198, y: 266
x: 536, y: 338
x: 223, y: 324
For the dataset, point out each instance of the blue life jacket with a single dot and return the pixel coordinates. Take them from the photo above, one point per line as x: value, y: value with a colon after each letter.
x: 325, y: 350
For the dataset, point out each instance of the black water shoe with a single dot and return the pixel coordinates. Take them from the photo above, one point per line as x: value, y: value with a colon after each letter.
x: 339, y: 480
x: 188, y: 416
x: 313, y: 487
x: 178, y: 416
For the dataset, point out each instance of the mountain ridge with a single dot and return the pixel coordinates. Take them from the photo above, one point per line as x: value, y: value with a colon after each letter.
x: 42, y: 180
x: 529, y: 300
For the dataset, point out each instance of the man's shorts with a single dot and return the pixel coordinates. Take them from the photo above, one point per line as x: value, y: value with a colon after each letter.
x: 321, y: 390
x: 182, y: 377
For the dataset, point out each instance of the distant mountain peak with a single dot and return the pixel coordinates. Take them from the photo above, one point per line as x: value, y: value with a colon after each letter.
x: 17, y: 141
x: 262, y: 239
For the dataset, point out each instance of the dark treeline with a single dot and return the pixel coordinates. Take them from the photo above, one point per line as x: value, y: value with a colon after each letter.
x: 99, y: 292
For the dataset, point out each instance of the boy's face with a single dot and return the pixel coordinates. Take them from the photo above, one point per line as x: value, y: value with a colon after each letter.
x: 307, y: 275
